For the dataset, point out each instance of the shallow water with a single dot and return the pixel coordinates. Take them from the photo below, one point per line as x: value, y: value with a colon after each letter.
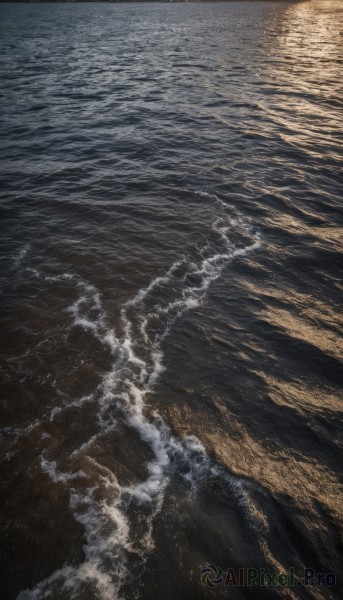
x: 170, y: 297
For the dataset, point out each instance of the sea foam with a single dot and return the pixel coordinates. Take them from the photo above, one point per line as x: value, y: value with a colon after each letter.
x: 98, y: 501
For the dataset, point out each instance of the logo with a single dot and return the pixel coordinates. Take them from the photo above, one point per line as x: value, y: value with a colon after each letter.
x: 211, y: 576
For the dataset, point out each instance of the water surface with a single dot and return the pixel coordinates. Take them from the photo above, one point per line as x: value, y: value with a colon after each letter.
x: 170, y: 253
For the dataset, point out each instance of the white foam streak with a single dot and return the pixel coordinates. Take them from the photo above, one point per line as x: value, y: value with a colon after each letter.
x: 137, y: 365
x: 19, y: 257
x: 143, y: 293
x: 50, y: 468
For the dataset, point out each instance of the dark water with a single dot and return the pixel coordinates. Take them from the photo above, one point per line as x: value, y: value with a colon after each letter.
x: 170, y: 253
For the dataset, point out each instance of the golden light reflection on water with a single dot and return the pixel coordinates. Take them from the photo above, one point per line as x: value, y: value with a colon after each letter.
x: 304, y: 75
x: 308, y: 29
x: 283, y: 472
x: 301, y: 329
x: 300, y: 396
x: 312, y: 312
x: 330, y: 234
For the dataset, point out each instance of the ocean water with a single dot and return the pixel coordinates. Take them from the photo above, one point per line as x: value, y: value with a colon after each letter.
x: 171, y: 188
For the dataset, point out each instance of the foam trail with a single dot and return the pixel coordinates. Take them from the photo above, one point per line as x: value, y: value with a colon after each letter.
x: 19, y: 257
x: 143, y: 293
x: 105, y: 528
x: 102, y: 507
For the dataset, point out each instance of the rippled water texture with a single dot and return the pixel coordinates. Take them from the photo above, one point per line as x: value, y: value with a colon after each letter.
x: 170, y: 253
